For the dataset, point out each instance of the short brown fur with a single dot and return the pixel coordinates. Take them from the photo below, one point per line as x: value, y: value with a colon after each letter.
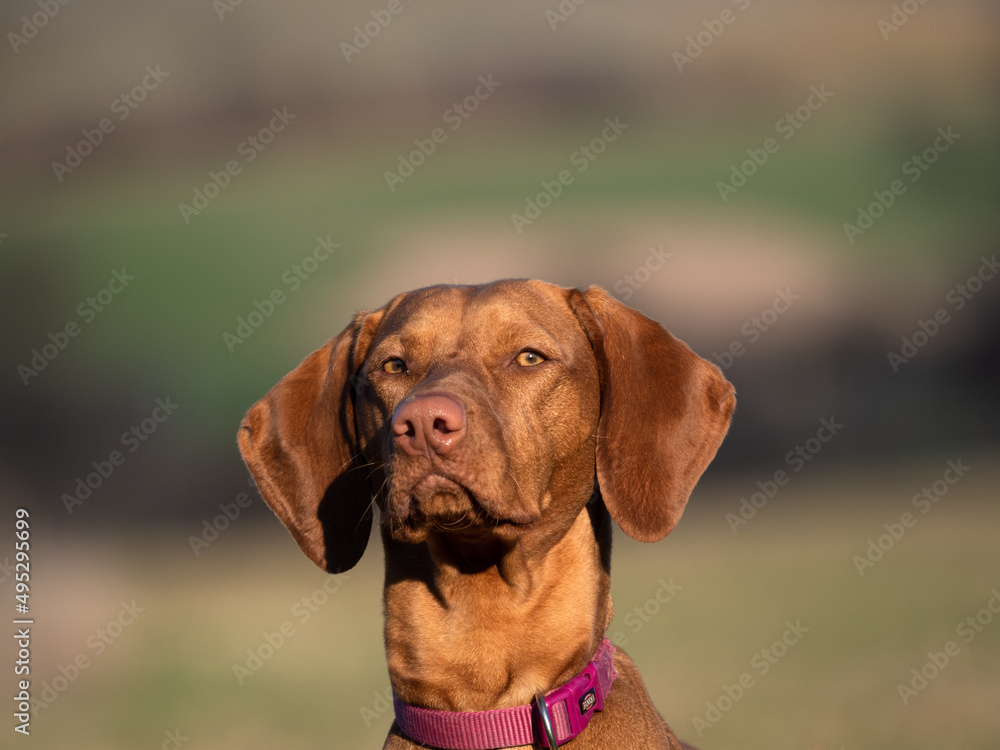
x: 498, y: 539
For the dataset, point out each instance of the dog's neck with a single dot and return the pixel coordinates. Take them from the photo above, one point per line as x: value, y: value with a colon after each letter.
x: 472, y: 627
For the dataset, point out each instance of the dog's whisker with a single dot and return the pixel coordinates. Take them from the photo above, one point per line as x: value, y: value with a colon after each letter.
x: 513, y: 478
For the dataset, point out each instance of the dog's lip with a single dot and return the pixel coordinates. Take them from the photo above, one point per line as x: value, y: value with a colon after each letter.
x: 439, y: 481
x: 479, y: 512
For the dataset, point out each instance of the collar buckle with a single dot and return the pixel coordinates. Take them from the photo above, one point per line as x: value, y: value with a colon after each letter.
x: 568, y: 709
x: 581, y: 696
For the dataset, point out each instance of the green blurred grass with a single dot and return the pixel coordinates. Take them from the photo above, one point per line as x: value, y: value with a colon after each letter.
x: 173, y: 669
x: 194, y: 280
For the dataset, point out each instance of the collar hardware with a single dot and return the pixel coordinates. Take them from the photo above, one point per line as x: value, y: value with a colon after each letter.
x: 553, y: 719
x: 545, y: 720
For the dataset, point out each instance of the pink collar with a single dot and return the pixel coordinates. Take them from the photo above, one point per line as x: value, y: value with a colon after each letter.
x: 568, y: 710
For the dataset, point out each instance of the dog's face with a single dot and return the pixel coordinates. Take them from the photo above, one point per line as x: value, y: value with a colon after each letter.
x: 481, y: 405
x: 482, y: 412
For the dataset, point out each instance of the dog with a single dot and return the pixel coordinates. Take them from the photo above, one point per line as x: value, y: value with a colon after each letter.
x: 498, y: 428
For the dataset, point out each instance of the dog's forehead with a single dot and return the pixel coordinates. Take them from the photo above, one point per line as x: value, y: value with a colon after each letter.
x: 458, y: 312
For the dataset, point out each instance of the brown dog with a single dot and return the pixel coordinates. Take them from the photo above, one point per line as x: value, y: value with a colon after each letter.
x: 498, y: 428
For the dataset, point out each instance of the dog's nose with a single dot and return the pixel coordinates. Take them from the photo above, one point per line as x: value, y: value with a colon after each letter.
x: 429, y: 423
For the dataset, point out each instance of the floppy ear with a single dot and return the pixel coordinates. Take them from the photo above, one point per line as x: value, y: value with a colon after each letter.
x: 664, y: 412
x: 299, y: 443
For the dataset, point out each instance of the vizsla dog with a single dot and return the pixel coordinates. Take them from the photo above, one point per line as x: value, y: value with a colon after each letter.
x: 498, y: 428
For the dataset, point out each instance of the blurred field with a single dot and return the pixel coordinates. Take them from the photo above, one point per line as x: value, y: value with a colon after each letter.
x: 836, y: 688
x: 445, y: 225
x: 655, y: 187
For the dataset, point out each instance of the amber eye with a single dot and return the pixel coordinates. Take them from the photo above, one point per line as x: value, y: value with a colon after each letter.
x: 529, y: 358
x: 395, y: 366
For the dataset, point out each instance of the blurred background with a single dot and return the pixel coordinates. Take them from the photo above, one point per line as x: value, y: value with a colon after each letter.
x: 195, y: 195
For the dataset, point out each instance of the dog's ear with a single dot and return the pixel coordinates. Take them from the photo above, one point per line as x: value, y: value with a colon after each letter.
x: 664, y: 412
x: 300, y: 445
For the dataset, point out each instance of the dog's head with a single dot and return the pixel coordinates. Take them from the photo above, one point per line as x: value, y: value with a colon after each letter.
x: 479, y: 412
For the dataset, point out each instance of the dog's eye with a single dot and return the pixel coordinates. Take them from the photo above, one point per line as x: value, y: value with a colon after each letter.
x: 529, y: 358
x: 394, y: 366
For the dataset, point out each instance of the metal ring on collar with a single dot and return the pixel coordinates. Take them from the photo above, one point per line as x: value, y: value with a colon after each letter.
x: 543, y: 712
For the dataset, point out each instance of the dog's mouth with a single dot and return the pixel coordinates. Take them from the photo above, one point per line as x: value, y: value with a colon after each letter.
x: 442, y: 504
x: 439, y: 503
